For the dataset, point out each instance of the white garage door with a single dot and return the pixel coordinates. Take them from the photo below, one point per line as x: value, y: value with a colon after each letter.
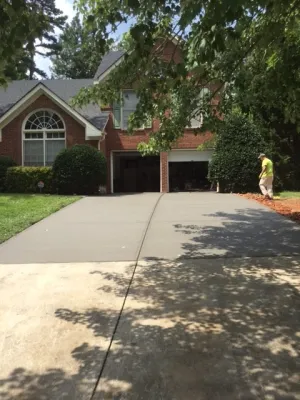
x: 189, y: 155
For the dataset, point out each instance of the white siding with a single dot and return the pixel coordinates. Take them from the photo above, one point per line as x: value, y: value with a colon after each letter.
x: 189, y: 155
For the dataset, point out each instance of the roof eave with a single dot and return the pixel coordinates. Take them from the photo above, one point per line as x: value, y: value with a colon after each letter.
x: 91, y: 132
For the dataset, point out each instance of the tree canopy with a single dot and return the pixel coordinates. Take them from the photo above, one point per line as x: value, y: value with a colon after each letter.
x: 27, y: 29
x: 217, y: 39
x: 79, y: 56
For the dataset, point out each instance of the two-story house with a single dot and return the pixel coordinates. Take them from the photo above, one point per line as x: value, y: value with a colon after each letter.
x: 37, y: 121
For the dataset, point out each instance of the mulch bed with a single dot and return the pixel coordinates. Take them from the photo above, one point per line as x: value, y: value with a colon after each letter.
x: 290, y: 208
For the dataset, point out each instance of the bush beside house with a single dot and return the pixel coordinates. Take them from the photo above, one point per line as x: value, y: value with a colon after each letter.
x: 25, y: 179
x: 5, y: 163
x: 235, y: 164
x: 80, y: 169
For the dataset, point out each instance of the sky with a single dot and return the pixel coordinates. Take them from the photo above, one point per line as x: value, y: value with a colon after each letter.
x: 66, y: 6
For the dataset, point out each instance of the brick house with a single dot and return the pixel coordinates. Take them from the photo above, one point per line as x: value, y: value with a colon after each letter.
x: 37, y: 121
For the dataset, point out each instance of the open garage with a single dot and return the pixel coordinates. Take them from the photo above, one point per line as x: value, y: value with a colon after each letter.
x: 133, y: 173
x: 188, y: 170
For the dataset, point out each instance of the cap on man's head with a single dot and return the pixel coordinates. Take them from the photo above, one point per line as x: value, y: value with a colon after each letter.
x: 261, y: 155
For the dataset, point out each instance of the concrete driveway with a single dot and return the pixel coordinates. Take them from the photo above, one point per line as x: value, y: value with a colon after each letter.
x: 180, y: 225
x: 181, y: 296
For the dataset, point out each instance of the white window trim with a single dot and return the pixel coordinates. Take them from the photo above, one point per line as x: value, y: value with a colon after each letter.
x: 44, y: 131
x: 204, y: 90
x: 199, y: 125
x: 144, y: 127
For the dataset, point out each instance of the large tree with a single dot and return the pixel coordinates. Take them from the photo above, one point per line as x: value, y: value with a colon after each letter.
x: 18, y: 24
x: 33, y: 34
x: 79, y: 56
x: 267, y: 89
x: 216, y: 38
x: 47, y: 44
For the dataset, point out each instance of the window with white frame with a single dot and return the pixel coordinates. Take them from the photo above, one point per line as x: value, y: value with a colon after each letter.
x: 121, y: 112
x: 197, y: 120
x: 44, y: 136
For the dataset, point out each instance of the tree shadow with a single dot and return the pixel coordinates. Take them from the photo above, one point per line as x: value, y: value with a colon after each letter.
x: 191, y: 329
x: 55, y: 383
x: 205, y: 329
x: 245, y: 233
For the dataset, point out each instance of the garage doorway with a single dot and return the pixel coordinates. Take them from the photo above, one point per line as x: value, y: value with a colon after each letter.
x: 188, y: 176
x: 133, y: 173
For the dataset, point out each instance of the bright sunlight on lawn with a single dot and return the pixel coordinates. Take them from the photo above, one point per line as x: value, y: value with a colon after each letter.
x: 19, y: 211
x: 290, y: 195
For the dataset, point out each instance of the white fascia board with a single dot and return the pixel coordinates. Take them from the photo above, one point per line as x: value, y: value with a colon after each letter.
x: 108, y: 71
x: 91, y: 131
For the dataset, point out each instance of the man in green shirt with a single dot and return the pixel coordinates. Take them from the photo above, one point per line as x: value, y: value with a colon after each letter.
x: 266, y: 177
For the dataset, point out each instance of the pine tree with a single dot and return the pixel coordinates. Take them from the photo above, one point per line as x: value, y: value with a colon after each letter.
x: 78, y: 58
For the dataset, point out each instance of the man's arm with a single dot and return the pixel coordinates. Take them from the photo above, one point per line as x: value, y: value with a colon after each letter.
x: 262, y: 171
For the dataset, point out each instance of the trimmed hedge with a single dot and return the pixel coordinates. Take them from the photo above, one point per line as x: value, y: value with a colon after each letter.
x: 25, y: 179
x: 235, y: 163
x: 5, y: 163
x: 80, y: 169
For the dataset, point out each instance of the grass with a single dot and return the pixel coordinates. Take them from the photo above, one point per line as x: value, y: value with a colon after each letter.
x: 290, y: 195
x: 19, y: 211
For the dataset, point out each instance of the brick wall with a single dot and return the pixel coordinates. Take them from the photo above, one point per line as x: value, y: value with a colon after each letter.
x: 11, y: 144
x: 117, y: 140
x: 164, y: 173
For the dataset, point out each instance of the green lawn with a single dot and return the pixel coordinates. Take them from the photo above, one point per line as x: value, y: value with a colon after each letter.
x: 290, y: 195
x: 19, y: 211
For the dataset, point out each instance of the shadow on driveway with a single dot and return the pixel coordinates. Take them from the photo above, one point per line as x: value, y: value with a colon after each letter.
x: 245, y: 233
x: 190, y: 329
x: 193, y: 329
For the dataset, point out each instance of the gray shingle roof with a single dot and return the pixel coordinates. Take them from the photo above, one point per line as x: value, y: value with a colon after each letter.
x: 65, y: 89
x: 108, y: 60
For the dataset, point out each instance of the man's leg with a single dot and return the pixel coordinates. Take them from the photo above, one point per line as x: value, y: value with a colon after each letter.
x: 262, y: 185
x: 269, y: 185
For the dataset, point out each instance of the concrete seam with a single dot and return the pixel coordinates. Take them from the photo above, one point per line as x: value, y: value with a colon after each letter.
x: 125, y: 298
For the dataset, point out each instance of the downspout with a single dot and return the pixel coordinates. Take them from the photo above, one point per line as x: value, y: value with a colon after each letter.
x: 102, y: 138
x: 102, y: 189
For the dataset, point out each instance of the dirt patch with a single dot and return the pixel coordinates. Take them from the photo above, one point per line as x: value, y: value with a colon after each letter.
x: 288, y: 207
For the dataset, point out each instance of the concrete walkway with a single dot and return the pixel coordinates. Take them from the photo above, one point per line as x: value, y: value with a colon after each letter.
x: 184, y: 296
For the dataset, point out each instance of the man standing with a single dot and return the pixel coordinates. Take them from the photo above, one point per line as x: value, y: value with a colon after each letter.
x: 266, y: 177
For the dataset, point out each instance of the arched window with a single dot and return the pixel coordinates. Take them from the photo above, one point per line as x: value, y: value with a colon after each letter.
x: 44, y: 136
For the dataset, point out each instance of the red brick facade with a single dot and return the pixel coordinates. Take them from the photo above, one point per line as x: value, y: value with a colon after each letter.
x: 11, y: 144
x: 115, y: 139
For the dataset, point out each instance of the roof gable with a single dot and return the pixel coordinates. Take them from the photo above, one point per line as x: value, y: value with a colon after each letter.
x: 64, y: 89
x: 108, y: 61
x: 22, y: 102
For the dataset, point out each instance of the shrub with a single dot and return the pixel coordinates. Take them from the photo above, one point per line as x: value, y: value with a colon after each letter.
x: 25, y: 179
x: 234, y: 163
x: 80, y: 169
x: 5, y: 163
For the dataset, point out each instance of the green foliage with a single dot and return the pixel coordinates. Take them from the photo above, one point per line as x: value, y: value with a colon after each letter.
x: 215, y: 38
x: 266, y: 87
x: 79, y: 57
x: 27, y: 29
x: 80, y: 169
x: 234, y: 164
x: 5, y: 163
x: 25, y: 179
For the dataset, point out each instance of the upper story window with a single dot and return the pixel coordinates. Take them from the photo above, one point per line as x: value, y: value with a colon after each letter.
x: 121, y: 112
x: 197, y: 121
x: 44, y: 136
